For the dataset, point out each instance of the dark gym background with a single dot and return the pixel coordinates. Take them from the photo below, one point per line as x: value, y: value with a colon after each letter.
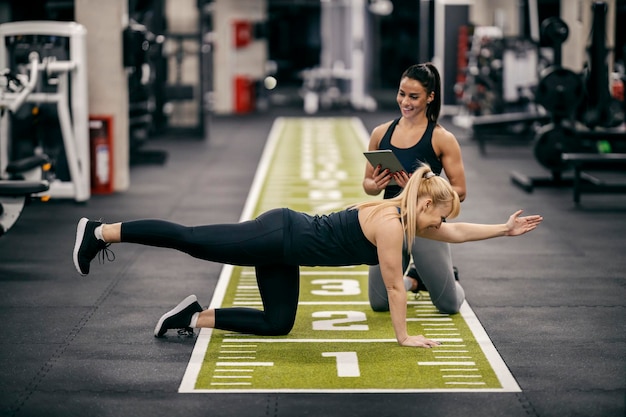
x: 72, y: 346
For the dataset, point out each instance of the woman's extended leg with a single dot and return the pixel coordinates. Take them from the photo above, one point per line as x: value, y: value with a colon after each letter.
x: 248, y: 243
x: 258, y: 241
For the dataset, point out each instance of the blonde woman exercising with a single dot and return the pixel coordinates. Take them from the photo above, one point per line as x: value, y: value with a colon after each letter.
x: 279, y: 241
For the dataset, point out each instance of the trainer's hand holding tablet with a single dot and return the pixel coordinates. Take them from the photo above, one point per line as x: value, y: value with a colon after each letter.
x: 386, y: 159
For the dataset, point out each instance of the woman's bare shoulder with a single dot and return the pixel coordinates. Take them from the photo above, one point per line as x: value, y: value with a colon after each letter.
x: 377, y: 222
x: 442, y: 132
x: 377, y: 134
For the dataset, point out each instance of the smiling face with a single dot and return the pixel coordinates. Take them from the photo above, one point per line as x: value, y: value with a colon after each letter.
x: 431, y: 216
x: 412, y: 97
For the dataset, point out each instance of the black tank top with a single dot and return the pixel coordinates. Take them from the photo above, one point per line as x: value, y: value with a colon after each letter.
x: 335, y: 239
x: 411, y: 157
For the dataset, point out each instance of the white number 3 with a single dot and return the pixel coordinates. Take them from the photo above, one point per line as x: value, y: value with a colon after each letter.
x: 337, y: 287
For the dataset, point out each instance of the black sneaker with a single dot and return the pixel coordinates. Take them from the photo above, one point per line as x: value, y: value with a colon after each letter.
x: 179, y: 317
x: 412, y: 273
x: 87, y: 246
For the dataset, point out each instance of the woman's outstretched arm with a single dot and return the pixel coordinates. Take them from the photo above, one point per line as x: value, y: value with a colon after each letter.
x: 467, y: 232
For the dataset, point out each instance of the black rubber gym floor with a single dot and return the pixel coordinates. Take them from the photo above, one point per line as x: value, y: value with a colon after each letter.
x: 553, y: 302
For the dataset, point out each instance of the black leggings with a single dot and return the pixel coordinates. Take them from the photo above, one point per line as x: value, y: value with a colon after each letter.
x: 257, y: 243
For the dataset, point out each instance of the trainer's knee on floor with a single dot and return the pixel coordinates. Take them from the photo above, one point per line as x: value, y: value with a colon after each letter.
x: 377, y: 297
x: 450, y: 302
x: 379, y: 305
x: 448, y: 306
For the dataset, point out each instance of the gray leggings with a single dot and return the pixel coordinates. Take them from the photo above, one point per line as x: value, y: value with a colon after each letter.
x: 433, y: 262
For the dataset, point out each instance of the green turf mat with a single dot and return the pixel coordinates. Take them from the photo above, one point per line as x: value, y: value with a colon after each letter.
x: 338, y: 343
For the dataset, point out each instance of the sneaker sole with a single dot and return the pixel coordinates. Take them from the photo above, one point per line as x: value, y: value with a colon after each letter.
x: 80, y: 233
x: 180, y: 307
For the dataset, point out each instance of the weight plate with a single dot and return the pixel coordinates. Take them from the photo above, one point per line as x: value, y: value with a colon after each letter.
x: 554, y: 30
x: 559, y: 91
x: 552, y: 141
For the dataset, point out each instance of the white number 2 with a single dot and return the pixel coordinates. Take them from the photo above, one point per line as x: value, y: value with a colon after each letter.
x: 340, y: 323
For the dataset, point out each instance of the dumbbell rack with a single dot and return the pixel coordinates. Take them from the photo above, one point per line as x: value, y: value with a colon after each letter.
x: 559, y: 91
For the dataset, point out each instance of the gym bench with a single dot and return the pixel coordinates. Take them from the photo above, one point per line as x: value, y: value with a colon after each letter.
x: 584, y: 162
x: 26, y: 180
x: 13, y: 196
x: 484, y: 126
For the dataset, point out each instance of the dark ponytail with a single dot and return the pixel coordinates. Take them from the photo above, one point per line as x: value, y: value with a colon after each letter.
x: 428, y: 75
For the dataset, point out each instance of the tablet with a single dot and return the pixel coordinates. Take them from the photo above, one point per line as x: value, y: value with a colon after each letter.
x: 386, y: 159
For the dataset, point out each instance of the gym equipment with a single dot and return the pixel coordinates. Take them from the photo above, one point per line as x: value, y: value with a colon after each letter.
x: 499, y: 91
x: 340, y: 78
x: 25, y: 176
x: 561, y: 93
x: 600, y: 109
x: 521, y: 64
x: 15, y: 193
x: 585, y: 162
x: 555, y: 31
x: 142, y: 48
x: 50, y: 60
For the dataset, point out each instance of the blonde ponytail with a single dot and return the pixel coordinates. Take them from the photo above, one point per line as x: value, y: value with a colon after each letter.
x: 423, y: 183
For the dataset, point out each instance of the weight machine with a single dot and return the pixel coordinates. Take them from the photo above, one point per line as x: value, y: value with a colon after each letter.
x: 38, y: 60
x: 49, y: 115
x: 25, y: 175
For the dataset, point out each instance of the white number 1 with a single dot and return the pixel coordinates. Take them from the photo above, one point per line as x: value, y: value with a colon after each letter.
x: 347, y: 363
